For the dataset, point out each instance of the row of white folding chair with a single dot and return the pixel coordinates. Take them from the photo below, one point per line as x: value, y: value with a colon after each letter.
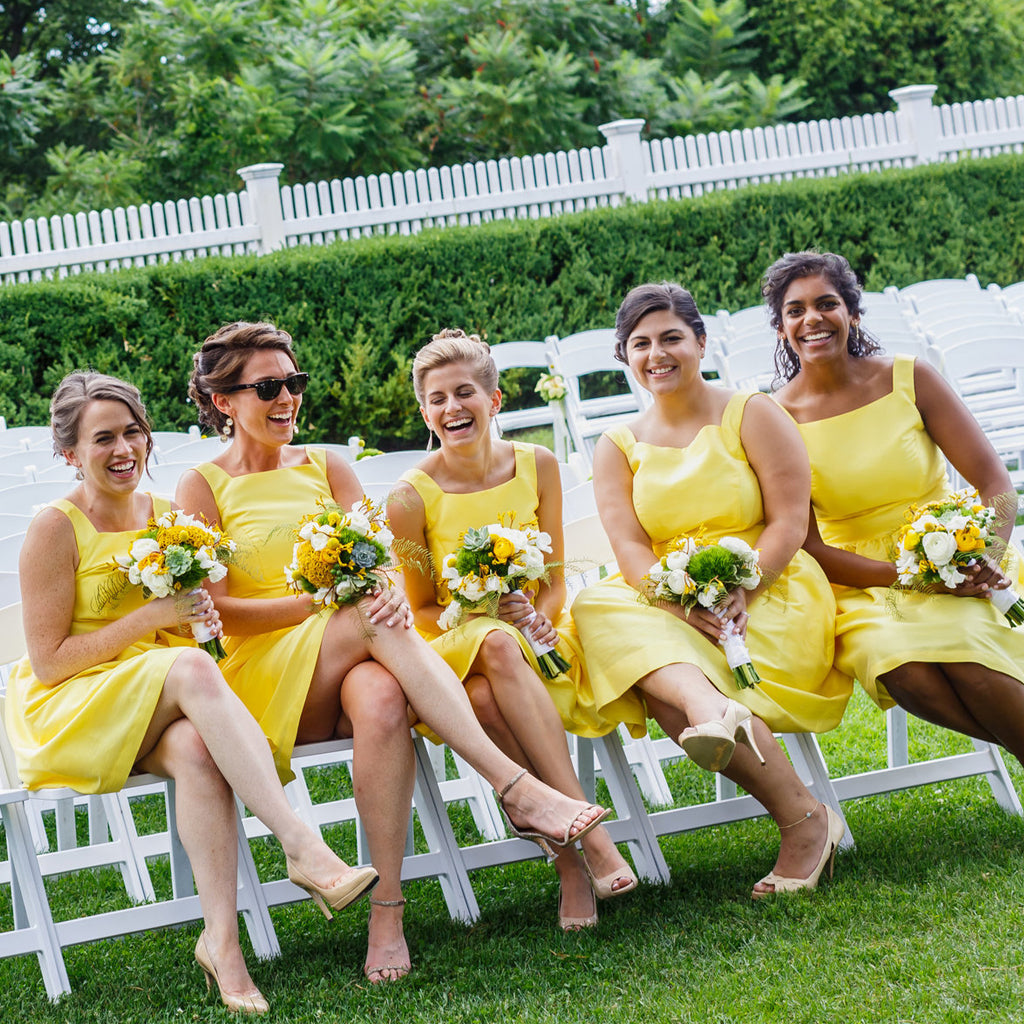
x: 24, y: 437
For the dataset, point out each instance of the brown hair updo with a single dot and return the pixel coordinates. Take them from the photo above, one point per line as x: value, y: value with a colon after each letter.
x: 80, y: 388
x: 220, y: 361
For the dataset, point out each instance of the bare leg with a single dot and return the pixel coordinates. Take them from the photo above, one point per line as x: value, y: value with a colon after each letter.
x: 775, y: 785
x: 995, y: 700
x: 205, y: 811
x: 926, y: 691
x: 531, y: 717
x: 195, y: 689
x: 441, y: 703
x: 384, y: 773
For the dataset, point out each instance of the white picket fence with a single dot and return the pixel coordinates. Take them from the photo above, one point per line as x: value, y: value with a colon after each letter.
x: 268, y: 216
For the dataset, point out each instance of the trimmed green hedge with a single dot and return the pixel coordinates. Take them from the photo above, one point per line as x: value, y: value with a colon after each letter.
x: 359, y: 309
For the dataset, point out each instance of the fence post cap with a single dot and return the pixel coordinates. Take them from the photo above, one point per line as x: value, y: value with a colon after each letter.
x: 255, y: 171
x: 625, y: 126
x: 913, y: 92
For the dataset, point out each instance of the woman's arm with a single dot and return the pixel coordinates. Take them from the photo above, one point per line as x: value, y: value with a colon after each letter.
x: 46, y: 571
x: 952, y: 427
x: 551, y: 593
x: 240, y: 616
x: 846, y: 567
x: 778, y: 457
x: 408, y: 521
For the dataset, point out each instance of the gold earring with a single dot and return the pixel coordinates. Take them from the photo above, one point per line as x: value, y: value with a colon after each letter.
x: 225, y: 431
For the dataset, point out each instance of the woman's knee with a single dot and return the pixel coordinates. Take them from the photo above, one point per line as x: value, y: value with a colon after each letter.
x: 371, y: 695
x: 500, y: 655
x: 196, y: 671
x: 182, y: 749
x: 481, y: 699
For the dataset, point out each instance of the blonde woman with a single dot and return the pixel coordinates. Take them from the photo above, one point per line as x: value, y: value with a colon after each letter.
x: 470, y: 481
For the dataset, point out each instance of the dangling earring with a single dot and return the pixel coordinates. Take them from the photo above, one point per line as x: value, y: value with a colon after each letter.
x: 430, y: 439
x: 79, y: 475
x: 855, y: 333
x: 225, y: 431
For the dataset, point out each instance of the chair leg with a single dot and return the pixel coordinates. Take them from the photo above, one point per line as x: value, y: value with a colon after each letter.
x: 633, y: 824
x: 29, y: 895
x: 454, y: 879
x: 999, y: 779
x: 252, y: 900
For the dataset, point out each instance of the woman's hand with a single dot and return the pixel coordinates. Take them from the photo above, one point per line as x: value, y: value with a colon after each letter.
x: 194, y: 606
x: 390, y: 606
x: 982, y: 578
x: 517, y: 610
x: 712, y: 623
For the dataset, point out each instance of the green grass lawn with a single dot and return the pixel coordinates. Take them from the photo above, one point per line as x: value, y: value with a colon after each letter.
x: 922, y: 923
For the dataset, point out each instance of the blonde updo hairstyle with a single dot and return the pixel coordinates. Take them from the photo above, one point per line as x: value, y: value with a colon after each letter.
x: 220, y: 363
x: 453, y: 345
x: 80, y: 388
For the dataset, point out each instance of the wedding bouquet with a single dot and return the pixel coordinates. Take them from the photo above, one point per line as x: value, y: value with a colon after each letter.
x: 338, y: 555
x: 550, y: 387
x: 945, y: 536
x: 693, y: 574
x: 494, y: 560
x: 177, y: 553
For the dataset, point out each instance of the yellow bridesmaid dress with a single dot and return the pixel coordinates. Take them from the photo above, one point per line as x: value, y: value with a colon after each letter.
x: 448, y: 516
x: 868, y: 466
x: 85, y: 732
x: 270, y: 672
x: 709, y: 486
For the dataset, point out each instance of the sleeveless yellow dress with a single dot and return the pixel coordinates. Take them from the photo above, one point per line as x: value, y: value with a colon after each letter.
x: 868, y: 466
x: 710, y: 485
x: 270, y: 672
x: 85, y: 732
x: 448, y: 516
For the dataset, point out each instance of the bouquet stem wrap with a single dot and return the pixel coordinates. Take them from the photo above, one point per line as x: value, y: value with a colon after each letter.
x: 738, y: 657
x: 551, y: 663
x: 1009, y: 604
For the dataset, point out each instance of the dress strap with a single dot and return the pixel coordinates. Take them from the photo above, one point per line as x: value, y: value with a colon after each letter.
x: 732, y: 421
x: 318, y: 456
x: 526, y: 462
x: 623, y: 439
x: 903, y: 376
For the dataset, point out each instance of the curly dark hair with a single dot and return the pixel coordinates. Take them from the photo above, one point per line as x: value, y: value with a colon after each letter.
x: 793, y: 266
x: 652, y: 298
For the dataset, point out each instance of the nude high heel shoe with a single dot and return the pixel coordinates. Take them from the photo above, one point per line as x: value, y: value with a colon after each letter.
x: 711, y: 744
x: 252, y: 1003
x: 836, y: 828
x: 336, y: 897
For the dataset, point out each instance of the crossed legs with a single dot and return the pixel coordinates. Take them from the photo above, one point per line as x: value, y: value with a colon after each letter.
x: 202, y: 736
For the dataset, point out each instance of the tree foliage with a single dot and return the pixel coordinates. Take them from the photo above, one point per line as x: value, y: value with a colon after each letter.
x: 141, y: 100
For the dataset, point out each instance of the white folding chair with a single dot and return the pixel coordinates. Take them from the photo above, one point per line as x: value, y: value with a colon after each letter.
x: 10, y: 549
x: 27, y: 498
x: 530, y: 355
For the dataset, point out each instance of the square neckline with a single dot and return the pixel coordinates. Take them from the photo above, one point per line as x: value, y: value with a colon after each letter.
x: 875, y: 401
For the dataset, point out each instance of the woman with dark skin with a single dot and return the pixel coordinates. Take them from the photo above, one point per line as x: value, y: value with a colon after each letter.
x: 706, y: 461
x: 878, y: 430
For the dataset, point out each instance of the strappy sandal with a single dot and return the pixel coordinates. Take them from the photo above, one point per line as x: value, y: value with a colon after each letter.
x: 375, y: 975
x: 603, y: 886
x: 546, y: 842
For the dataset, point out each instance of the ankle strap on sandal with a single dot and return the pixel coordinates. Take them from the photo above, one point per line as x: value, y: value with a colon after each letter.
x: 511, y: 782
x: 387, y: 903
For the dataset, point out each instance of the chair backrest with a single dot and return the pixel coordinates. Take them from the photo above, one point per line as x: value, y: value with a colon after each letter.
x: 26, y: 437
x: 18, y: 460
x: 588, y: 552
x: 25, y: 498
x: 12, y: 633
x: 597, y: 338
x: 747, y: 368
x: 388, y: 467
x: 10, y: 549
x: 510, y: 354
x: 191, y: 449
x: 942, y: 286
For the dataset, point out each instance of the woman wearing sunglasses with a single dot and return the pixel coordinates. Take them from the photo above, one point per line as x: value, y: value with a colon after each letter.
x: 309, y: 675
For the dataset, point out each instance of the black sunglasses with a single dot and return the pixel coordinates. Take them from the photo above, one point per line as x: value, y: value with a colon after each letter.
x: 268, y: 390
